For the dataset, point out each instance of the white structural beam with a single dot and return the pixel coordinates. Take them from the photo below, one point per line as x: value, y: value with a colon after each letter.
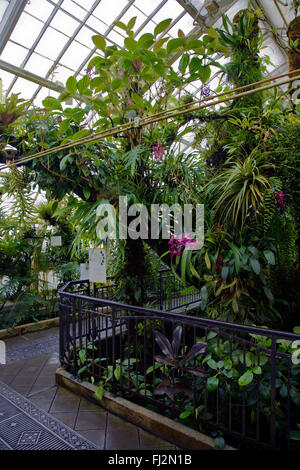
x: 9, y: 20
x: 32, y: 77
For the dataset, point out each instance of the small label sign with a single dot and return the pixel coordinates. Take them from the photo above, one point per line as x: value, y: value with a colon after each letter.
x: 56, y: 240
x: 97, y: 265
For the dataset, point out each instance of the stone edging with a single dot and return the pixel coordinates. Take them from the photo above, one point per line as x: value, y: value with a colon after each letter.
x: 174, y: 432
x: 29, y: 328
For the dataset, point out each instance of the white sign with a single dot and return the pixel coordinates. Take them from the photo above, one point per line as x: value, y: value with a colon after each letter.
x: 2, y: 353
x: 97, y: 265
x: 56, y: 241
x: 84, y: 271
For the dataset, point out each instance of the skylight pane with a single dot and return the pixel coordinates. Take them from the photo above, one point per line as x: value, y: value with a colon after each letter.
x: 130, y: 14
x: 25, y: 87
x: 14, y: 54
x: 38, y: 64
x: 26, y: 30
x: 116, y: 37
x: 6, y: 79
x: 85, y: 37
x: 64, y: 23
x: 171, y: 9
x: 39, y: 8
x: 76, y: 8
x: 146, y: 6
x: 51, y: 43
x: 98, y: 25
x: 108, y: 10
x: 75, y: 55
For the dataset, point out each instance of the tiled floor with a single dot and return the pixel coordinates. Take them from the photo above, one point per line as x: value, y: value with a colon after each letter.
x: 34, y: 378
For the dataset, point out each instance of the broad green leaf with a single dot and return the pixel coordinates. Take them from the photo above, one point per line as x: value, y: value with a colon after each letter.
x: 257, y: 370
x: 99, y: 42
x: 246, y: 378
x: 174, y: 45
x: 99, y: 392
x: 194, y: 65
x: 131, y: 23
x: 83, y: 84
x: 81, y: 134
x: 52, y: 103
x: 87, y: 192
x: 255, y: 265
x: 130, y: 44
x: 224, y: 272
x: 162, y: 26
x: 146, y: 40
x: 212, y: 383
x: 204, y: 72
x: 185, y: 414
x: 120, y: 25
x: 269, y: 255
x: 71, y: 85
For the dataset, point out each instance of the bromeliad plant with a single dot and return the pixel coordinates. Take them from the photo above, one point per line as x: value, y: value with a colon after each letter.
x: 178, y: 362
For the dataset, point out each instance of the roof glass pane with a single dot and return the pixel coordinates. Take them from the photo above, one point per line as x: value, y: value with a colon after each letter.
x: 98, y: 25
x: 6, y: 79
x: 25, y: 87
x: 75, y: 55
x: 51, y: 43
x: 130, y: 13
x: 26, y: 30
x: 38, y: 64
x: 171, y: 9
x: 64, y: 23
x: 14, y: 54
x: 76, y: 8
x: 146, y: 6
x: 84, y: 37
x: 108, y: 10
x: 39, y: 8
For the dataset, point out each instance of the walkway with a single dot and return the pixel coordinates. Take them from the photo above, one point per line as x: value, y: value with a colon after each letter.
x: 84, y: 424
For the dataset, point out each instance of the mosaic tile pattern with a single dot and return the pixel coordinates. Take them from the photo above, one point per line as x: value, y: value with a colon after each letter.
x: 24, y: 426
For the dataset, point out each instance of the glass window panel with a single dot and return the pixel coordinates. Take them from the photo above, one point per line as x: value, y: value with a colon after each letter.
x: 185, y: 24
x: 85, y: 37
x: 26, y: 30
x: 98, y: 25
x: 108, y: 10
x: 51, y: 43
x: 149, y: 28
x: 6, y: 79
x: 74, y: 55
x: 130, y: 14
x: 76, y: 8
x: 64, y: 23
x: 171, y: 9
x: 25, y: 87
x: 39, y: 8
x: 146, y: 6
x: 116, y: 37
x: 61, y: 74
x: 39, y: 65
x: 14, y: 54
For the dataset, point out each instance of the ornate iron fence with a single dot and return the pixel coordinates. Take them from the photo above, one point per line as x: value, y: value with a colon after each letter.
x: 244, y: 385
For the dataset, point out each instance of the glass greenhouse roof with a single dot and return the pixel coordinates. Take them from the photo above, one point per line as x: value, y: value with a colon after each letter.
x: 43, y: 42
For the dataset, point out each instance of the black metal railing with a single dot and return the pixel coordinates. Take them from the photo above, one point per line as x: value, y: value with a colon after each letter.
x: 250, y: 390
